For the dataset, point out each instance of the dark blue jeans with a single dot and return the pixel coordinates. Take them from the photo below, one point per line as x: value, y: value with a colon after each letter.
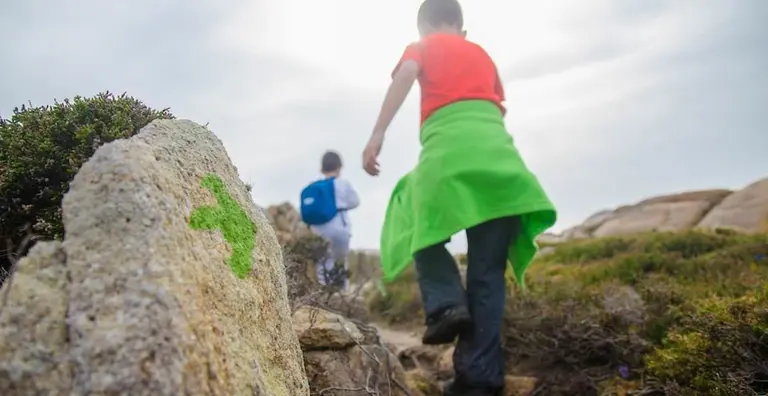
x: 478, y: 360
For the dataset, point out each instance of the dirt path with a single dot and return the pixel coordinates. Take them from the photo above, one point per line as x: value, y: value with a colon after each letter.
x: 401, y: 339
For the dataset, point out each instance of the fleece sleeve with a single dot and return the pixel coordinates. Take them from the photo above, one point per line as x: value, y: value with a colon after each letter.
x: 346, y: 196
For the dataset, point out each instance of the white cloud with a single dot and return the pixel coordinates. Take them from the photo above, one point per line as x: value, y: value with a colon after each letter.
x: 608, y: 101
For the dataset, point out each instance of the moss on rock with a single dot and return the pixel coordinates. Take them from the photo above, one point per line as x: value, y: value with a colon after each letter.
x: 237, y: 228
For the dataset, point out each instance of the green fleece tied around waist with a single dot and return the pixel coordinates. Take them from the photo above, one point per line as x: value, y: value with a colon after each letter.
x: 469, y: 172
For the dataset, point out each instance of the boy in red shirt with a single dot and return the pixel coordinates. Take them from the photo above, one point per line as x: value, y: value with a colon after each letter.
x: 469, y: 177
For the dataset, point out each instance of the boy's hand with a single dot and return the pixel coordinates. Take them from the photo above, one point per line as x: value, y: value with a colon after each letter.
x: 371, y: 154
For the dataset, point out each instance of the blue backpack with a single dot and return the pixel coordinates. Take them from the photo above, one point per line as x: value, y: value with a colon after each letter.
x: 318, y: 202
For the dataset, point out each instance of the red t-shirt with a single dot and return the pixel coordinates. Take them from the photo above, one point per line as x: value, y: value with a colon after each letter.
x: 453, y: 69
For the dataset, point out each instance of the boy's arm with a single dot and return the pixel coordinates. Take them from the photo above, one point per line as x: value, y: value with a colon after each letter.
x: 349, y: 197
x: 402, y: 81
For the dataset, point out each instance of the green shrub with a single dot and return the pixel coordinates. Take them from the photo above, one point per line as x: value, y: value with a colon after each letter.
x: 589, y: 250
x: 626, y: 315
x: 720, y: 349
x: 401, y: 304
x: 41, y: 149
x: 649, y: 314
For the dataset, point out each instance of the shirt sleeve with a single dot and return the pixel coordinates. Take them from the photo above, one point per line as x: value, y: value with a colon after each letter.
x: 412, y: 53
x: 499, y: 87
x: 346, y: 196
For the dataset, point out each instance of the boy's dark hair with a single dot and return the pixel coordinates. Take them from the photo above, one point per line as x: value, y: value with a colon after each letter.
x: 441, y: 12
x: 331, y: 162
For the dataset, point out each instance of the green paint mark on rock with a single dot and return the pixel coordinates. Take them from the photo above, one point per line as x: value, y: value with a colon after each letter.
x: 229, y: 217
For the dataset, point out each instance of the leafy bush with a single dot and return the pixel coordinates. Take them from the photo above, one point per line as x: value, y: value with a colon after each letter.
x: 41, y: 149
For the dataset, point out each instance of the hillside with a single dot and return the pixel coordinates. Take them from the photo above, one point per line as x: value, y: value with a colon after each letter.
x: 662, y: 297
x: 650, y: 314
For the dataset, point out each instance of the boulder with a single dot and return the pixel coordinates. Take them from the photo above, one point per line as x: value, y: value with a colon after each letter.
x: 713, y: 197
x: 174, y: 279
x: 422, y: 384
x: 596, y: 220
x: 367, y: 369
x: 745, y: 210
x: 33, y: 329
x: 336, y: 366
x: 319, y: 329
x: 674, y: 212
x: 444, y: 366
x: 678, y: 216
x: 519, y: 385
x: 287, y: 223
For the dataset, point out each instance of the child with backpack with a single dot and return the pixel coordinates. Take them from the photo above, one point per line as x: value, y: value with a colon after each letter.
x: 469, y: 177
x: 324, y: 206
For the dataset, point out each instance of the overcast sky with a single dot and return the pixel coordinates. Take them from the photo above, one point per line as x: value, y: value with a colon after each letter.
x: 610, y: 101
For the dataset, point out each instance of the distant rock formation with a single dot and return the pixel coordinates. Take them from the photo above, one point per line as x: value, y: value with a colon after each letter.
x: 364, y: 264
x: 745, y: 211
x: 286, y: 221
x: 169, y: 282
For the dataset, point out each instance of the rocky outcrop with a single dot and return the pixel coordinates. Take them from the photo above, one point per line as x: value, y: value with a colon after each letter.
x: 169, y: 282
x: 364, y: 265
x: 675, y: 212
x: 339, y: 356
x: 286, y: 221
x: 33, y: 331
x: 745, y: 210
x: 319, y: 330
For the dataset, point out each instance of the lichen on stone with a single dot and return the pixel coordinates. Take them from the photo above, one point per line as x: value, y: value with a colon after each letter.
x: 229, y: 217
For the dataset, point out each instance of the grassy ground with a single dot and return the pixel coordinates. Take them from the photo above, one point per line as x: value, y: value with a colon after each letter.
x: 653, y: 314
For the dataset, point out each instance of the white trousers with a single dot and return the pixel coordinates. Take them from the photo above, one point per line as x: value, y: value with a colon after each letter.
x: 338, y: 236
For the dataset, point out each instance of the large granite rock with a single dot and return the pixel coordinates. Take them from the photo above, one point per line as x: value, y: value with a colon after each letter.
x: 676, y: 212
x: 33, y: 330
x: 673, y: 212
x: 673, y: 216
x: 745, y: 210
x: 319, y: 330
x: 169, y: 282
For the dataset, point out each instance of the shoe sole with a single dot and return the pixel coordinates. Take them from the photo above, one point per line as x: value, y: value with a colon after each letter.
x: 447, y: 330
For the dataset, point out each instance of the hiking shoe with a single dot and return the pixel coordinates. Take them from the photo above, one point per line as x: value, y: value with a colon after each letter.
x: 443, y: 327
x: 453, y: 388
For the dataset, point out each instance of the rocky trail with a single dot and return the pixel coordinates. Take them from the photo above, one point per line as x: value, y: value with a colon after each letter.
x: 400, y: 339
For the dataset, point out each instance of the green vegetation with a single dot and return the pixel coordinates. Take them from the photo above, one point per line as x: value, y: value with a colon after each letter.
x: 401, y: 304
x: 653, y: 314
x: 237, y: 228
x: 41, y: 149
